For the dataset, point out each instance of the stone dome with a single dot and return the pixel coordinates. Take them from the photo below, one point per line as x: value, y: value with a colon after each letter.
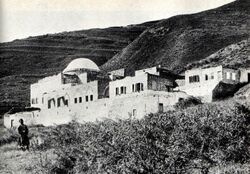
x: 81, y: 64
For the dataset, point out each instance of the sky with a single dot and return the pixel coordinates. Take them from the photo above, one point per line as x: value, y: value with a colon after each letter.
x: 24, y: 18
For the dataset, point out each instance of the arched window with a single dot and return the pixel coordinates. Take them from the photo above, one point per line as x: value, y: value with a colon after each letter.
x: 51, y: 103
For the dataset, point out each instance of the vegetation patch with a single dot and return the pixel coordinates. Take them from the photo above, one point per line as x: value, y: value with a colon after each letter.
x: 194, y: 139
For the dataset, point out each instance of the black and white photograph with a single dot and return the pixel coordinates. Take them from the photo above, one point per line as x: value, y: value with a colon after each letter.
x: 124, y: 87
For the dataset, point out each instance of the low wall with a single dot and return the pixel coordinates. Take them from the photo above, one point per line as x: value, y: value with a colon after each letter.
x: 29, y: 118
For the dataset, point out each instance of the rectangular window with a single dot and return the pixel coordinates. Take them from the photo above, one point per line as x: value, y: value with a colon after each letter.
x: 87, y: 98
x: 219, y: 75
x: 206, y: 77
x: 134, y: 112
x: 11, y: 123
x: 193, y: 79
x: 141, y: 87
x: 228, y: 75
x: 117, y: 91
x: 58, y: 102
x: 190, y: 79
x: 212, y: 75
x: 80, y: 99
x: 75, y: 100
x: 123, y: 90
x: 233, y: 76
x: 42, y: 100
x: 133, y: 88
x: 91, y: 97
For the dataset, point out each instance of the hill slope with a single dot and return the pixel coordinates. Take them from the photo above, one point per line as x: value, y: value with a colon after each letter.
x: 233, y: 56
x: 180, y: 40
x: 52, y: 52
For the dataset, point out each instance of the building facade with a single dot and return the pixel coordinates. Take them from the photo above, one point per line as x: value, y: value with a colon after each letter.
x: 201, y: 82
x: 82, y: 93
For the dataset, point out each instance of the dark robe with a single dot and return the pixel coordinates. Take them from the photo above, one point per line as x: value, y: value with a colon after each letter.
x: 24, y: 139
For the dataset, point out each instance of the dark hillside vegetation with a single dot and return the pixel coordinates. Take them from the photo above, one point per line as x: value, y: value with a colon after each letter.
x: 196, y: 139
x: 183, y: 39
x: 52, y: 52
x: 233, y: 56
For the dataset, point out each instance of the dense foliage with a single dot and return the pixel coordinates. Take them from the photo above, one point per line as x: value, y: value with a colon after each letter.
x: 182, y: 141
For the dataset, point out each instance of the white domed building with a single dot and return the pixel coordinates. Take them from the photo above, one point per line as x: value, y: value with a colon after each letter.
x: 81, y: 92
x: 80, y: 65
x: 61, y: 97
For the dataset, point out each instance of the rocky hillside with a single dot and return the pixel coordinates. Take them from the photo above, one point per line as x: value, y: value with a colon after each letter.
x: 233, y: 56
x: 182, y: 39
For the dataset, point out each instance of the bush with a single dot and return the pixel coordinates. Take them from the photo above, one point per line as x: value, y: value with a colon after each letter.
x: 9, y: 136
x: 187, y: 102
x: 174, y: 142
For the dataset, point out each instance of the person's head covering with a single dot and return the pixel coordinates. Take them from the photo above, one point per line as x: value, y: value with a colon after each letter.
x: 21, y: 121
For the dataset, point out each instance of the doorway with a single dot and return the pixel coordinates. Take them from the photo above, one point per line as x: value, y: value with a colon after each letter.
x: 160, y: 107
x: 248, y: 77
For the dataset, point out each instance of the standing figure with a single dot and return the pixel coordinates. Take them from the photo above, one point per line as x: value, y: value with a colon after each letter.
x: 24, y: 139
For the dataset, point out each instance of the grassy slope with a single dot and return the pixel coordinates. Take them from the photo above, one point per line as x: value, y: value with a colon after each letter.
x: 13, y: 160
x: 180, y: 40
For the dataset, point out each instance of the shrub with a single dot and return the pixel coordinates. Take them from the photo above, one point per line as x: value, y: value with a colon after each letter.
x: 187, y: 102
x: 9, y: 136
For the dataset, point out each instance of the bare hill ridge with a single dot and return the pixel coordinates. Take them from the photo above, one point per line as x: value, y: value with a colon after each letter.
x: 183, y: 39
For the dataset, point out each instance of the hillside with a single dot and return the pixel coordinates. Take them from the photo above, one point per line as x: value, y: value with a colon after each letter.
x: 179, y: 40
x: 233, y: 56
x: 52, y: 52
x: 24, y: 61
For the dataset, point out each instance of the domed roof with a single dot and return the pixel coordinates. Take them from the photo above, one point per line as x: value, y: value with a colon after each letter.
x: 81, y: 63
